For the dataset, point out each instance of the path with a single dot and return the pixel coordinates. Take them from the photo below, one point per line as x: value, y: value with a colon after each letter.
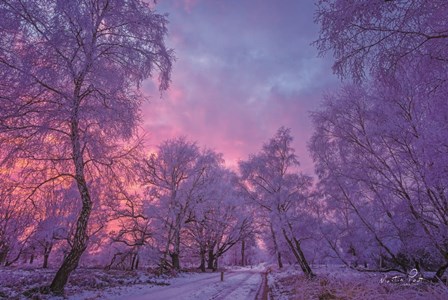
x: 237, y: 284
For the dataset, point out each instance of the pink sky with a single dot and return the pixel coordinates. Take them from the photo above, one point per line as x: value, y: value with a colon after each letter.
x: 244, y: 68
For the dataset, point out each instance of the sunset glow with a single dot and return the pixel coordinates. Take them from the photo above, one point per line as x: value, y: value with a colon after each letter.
x: 243, y: 70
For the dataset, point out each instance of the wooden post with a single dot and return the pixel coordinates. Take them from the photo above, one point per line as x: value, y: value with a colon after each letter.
x: 222, y: 275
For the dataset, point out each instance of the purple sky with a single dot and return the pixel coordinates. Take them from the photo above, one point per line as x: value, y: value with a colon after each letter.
x: 244, y: 68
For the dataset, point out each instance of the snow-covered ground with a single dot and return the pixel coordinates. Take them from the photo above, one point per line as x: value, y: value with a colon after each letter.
x: 339, y: 282
x: 239, y: 283
x: 332, y: 282
x: 83, y: 283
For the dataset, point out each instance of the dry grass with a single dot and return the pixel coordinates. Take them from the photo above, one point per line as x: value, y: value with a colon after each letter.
x: 15, y: 281
x: 292, y: 285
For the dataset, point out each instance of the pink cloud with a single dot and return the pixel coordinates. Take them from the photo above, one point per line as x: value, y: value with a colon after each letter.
x: 235, y: 81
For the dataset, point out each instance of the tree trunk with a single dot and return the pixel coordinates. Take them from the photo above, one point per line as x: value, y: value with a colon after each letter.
x: 45, y: 264
x: 306, y: 267
x: 279, y: 256
x: 137, y: 261
x: 80, y: 238
x: 279, y: 260
x: 70, y: 263
x: 243, y: 258
x: 8, y: 263
x: 134, y: 257
x: 211, y: 260
x: 47, y: 251
x: 134, y: 261
x: 175, y: 260
x: 298, y: 254
x: 3, y: 254
x: 202, y: 254
x: 109, y: 266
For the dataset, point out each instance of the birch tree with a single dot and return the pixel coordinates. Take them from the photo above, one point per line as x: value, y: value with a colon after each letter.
x: 377, y: 37
x: 220, y: 219
x: 174, y: 176
x: 380, y: 144
x: 274, y: 184
x: 70, y: 77
x: 378, y: 154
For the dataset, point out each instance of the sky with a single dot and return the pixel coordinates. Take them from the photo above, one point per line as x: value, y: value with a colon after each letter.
x: 244, y: 68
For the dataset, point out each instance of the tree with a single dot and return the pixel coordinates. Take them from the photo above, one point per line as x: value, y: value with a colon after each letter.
x: 135, y: 229
x: 379, y: 144
x: 71, y: 72
x: 272, y: 181
x: 378, y: 154
x: 173, y: 176
x: 15, y: 219
x: 380, y: 37
x: 56, y: 215
x: 219, y: 220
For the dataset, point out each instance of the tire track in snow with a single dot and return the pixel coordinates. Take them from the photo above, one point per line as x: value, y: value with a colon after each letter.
x: 246, y: 287
x: 263, y: 291
x: 188, y: 289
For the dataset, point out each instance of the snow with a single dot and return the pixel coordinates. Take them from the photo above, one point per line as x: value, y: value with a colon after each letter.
x: 83, y: 283
x: 237, y: 284
x: 340, y: 282
x: 332, y: 282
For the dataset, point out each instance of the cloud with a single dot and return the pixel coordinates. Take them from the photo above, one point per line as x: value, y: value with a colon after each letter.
x: 244, y: 69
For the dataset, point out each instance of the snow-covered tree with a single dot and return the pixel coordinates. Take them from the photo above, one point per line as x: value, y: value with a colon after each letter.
x: 55, y: 218
x: 173, y: 177
x: 380, y: 144
x: 273, y: 183
x: 134, y: 230
x: 16, y: 221
x: 379, y: 37
x: 70, y: 77
x: 383, y: 174
x: 219, y: 219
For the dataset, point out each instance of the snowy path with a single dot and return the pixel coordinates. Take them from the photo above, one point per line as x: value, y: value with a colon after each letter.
x: 241, y: 284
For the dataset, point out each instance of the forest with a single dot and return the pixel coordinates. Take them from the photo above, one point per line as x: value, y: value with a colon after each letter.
x: 80, y: 189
